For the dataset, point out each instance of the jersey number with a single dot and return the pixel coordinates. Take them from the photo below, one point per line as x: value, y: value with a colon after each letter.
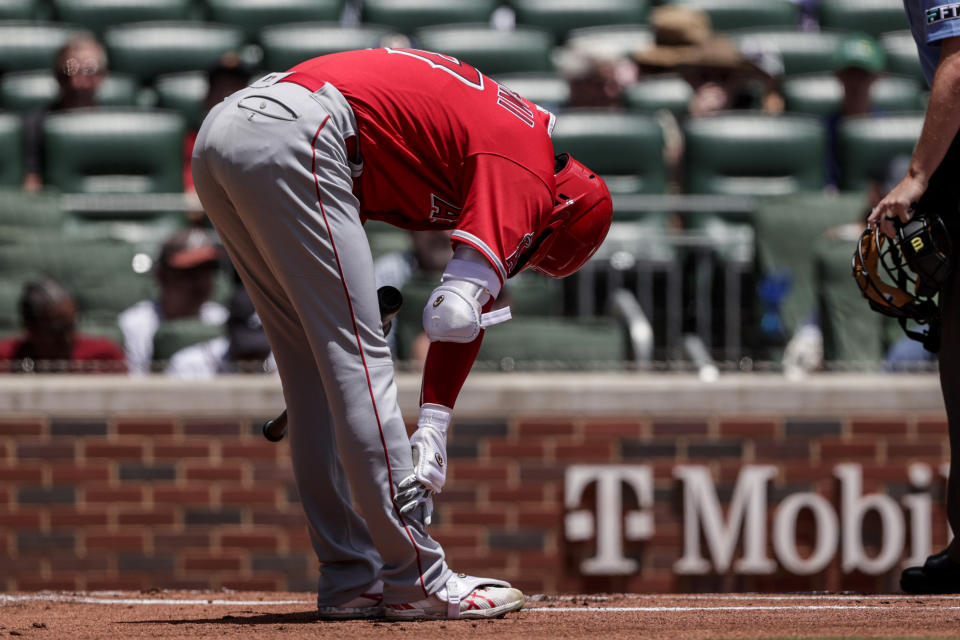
x: 459, y: 70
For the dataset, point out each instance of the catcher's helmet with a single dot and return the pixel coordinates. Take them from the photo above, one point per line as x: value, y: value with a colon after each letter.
x: 901, y: 277
x: 579, y: 222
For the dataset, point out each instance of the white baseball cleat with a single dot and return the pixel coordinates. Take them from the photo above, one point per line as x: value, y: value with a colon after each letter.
x: 465, y: 597
x: 365, y: 606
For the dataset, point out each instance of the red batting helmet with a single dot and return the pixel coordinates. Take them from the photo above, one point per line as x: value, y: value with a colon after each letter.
x: 579, y: 222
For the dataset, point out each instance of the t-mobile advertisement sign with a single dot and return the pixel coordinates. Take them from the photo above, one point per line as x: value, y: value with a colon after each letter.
x: 719, y: 540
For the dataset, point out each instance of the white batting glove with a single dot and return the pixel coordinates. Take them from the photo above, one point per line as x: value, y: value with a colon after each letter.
x: 429, y: 448
x: 429, y: 444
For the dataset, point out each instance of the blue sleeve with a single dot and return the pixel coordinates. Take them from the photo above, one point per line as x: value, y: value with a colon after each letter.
x: 942, y: 19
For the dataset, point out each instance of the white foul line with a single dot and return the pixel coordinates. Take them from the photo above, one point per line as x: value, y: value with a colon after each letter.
x: 810, y: 607
x: 880, y: 602
x: 146, y: 601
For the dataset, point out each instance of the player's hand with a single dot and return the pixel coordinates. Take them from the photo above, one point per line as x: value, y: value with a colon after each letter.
x: 896, y: 205
x: 429, y: 447
x: 410, y: 495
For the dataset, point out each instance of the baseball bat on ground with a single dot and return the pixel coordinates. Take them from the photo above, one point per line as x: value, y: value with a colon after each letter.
x: 390, y: 300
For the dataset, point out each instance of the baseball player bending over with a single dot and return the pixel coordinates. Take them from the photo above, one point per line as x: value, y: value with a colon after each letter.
x: 288, y: 170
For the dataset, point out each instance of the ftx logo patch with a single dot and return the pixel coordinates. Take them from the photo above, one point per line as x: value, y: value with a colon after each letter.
x: 943, y: 12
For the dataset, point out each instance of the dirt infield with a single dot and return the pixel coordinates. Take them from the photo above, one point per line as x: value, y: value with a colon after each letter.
x: 290, y: 615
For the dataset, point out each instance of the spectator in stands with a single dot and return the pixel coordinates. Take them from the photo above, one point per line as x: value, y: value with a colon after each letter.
x: 596, y: 81
x: 721, y: 75
x: 80, y: 68
x: 185, y: 270
x: 243, y: 349
x: 50, y: 342
x: 857, y: 63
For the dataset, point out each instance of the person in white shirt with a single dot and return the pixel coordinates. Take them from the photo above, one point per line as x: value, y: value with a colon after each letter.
x: 185, y: 270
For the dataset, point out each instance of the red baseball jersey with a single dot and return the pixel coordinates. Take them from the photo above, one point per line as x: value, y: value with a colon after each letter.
x: 445, y: 147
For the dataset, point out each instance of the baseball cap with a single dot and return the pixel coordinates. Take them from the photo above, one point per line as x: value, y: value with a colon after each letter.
x: 190, y: 249
x: 859, y: 51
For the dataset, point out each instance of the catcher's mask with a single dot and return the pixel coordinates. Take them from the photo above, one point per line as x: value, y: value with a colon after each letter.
x: 901, y: 277
x: 579, y: 222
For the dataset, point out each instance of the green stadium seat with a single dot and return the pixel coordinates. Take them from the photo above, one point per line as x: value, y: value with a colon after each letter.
x: 185, y: 93
x: 409, y: 321
x: 173, y: 335
x: 385, y: 238
x: 740, y: 14
x: 898, y: 93
x: 548, y: 90
x: 99, y: 274
x: 114, y: 292
x: 822, y: 94
x: 491, y: 51
x: 852, y: 333
x: 739, y: 153
x: 869, y: 143
x: 543, y: 342
x: 32, y: 211
x: 872, y: 16
x: 254, y: 15
x: 901, y: 52
x: 93, y: 270
x: 100, y: 327
x: 406, y: 16
x: 149, y: 49
x: 26, y: 90
x: 114, y: 151
x: 531, y: 294
x: 625, y: 148
x: 801, y: 51
x: 21, y: 10
x: 11, y: 160
x: 561, y: 16
x: 785, y: 242
x: 10, y: 289
x: 98, y: 15
x: 610, y: 41
x: 664, y: 92
x: 31, y: 45
x: 287, y: 45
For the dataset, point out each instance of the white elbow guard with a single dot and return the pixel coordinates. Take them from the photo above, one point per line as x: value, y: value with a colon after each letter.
x: 453, y: 312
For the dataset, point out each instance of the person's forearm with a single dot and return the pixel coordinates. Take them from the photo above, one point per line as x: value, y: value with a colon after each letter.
x: 446, y: 370
x: 942, y: 120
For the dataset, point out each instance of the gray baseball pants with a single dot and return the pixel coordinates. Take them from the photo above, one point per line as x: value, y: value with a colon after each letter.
x: 271, y: 169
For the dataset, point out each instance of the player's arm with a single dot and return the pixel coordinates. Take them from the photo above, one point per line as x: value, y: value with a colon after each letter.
x: 940, y: 127
x: 503, y: 206
x: 454, y: 317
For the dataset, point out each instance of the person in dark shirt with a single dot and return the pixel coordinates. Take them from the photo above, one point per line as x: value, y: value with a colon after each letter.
x: 51, y: 342
x: 80, y: 69
x: 858, y: 63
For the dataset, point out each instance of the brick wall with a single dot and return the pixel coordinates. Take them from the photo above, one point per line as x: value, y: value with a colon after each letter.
x: 172, y: 496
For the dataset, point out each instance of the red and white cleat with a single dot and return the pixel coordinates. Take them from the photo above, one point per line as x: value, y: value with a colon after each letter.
x: 465, y: 597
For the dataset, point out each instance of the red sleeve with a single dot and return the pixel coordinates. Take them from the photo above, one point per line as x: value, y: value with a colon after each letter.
x: 8, y: 347
x: 503, y: 207
x: 446, y: 368
x: 95, y: 349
